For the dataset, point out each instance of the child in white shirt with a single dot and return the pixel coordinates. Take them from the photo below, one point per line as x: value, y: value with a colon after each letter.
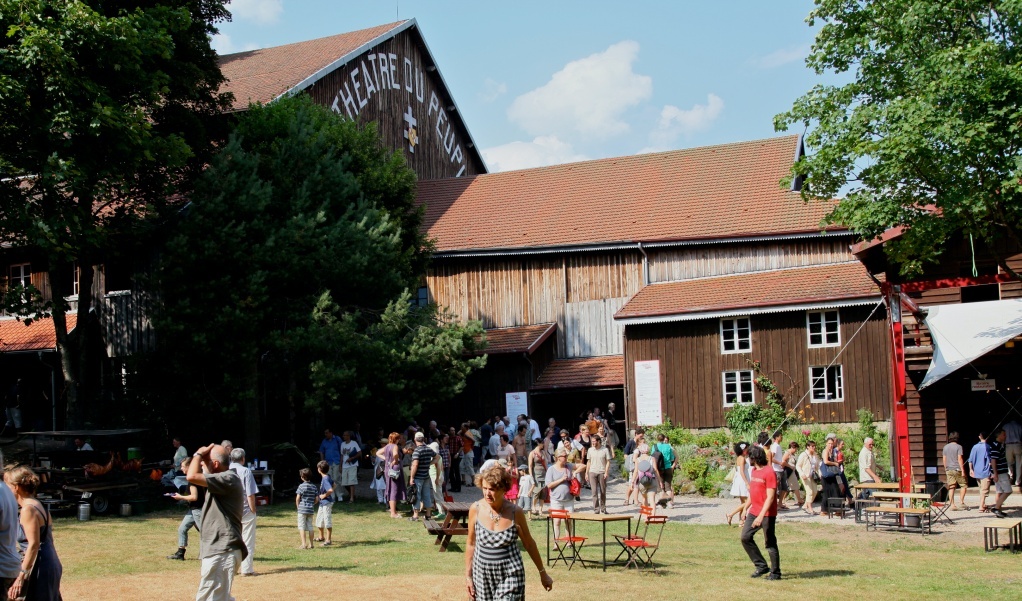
x: 525, y: 488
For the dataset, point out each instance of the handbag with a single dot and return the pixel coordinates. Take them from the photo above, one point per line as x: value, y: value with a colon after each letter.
x: 828, y: 471
x: 816, y: 477
x: 730, y: 477
x: 574, y: 487
x: 394, y: 472
x: 412, y: 494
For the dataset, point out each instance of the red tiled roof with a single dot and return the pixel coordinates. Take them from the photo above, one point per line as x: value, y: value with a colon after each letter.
x: 795, y: 286
x: 588, y: 372
x: 713, y: 192
x: 262, y: 75
x: 37, y: 336
x: 522, y: 339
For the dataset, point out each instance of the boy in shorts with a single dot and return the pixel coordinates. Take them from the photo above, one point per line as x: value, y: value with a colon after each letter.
x: 305, y: 502
x: 324, y: 515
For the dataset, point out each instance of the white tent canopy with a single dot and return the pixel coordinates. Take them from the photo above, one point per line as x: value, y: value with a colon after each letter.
x: 961, y: 333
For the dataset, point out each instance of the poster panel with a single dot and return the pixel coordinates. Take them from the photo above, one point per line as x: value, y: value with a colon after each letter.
x: 517, y: 403
x: 648, y: 410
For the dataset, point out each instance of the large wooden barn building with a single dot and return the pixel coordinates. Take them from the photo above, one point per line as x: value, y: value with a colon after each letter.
x: 697, y: 260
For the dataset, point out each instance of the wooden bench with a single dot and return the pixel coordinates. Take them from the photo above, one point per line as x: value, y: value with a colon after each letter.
x: 874, y: 515
x: 990, y: 535
x: 444, y: 533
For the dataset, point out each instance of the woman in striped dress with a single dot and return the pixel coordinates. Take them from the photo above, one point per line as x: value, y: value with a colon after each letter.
x: 493, y: 563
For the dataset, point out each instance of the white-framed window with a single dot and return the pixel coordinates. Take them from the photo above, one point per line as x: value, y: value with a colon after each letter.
x: 827, y: 383
x: 21, y: 275
x: 824, y: 328
x: 738, y: 387
x: 76, y: 279
x: 735, y: 335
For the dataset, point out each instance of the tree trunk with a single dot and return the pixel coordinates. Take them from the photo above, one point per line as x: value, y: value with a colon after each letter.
x: 65, y: 350
x: 84, y: 335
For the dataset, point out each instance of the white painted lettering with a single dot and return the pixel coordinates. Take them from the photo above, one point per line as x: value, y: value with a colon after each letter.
x: 409, y: 79
x: 347, y: 100
x: 384, y: 73
x: 394, y: 83
x: 354, y: 84
x: 434, y: 104
x: 457, y: 156
x: 461, y: 171
x: 449, y: 138
x: 370, y: 86
x: 441, y: 117
x: 420, y: 85
x: 376, y: 71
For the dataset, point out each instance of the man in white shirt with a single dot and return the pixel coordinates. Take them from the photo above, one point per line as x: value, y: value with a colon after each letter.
x: 868, y: 463
x: 248, y: 508
x: 494, y: 442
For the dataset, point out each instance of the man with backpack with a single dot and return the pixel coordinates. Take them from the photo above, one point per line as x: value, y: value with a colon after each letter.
x: 666, y: 462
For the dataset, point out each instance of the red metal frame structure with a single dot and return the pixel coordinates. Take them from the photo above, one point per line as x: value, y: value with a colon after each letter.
x: 899, y: 408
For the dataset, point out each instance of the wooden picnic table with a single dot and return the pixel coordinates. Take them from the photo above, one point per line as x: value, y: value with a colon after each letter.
x: 455, y: 523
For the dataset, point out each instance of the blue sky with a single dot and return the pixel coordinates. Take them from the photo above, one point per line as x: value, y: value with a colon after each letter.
x: 541, y: 83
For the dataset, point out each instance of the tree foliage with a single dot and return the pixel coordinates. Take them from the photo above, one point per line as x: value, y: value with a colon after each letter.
x: 926, y: 135
x: 292, y: 264
x: 107, y: 108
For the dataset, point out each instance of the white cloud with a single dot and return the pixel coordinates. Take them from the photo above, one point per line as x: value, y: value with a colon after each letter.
x: 675, y: 122
x: 259, y: 11
x: 781, y: 57
x: 542, y: 151
x: 492, y: 90
x: 223, y: 44
x: 587, y: 96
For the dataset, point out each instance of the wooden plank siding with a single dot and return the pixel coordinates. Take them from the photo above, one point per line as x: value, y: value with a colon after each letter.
x: 508, y: 292
x: 1013, y: 289
x: 673, y: 264
x: 691, y: 365
x: 409, y: 84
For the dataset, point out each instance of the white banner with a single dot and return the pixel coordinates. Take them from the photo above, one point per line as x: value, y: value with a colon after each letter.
x: 517, y: 404
x: 648, y: 410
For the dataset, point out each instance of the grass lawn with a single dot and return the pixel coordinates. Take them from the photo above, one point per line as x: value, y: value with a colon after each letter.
x: 377, y: 557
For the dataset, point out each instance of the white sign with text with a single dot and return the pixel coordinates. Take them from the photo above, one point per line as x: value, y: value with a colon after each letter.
x: 648, y: 411
x: 517, y: 404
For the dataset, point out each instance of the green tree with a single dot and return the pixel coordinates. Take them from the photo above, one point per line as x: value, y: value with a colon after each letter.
x: 287, y: 277
x: 107, y: 108
x: 926, y: 135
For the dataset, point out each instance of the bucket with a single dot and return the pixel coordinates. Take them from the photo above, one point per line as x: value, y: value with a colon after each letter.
x: 84, y: 512
x: 134, y: 453
x: 125, y: 509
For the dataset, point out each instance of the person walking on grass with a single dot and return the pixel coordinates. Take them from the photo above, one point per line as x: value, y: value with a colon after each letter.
x: 493, y: 564
x: 248, y: 508
x: 979, y: 468
x: 808, y: 468
x: 597, y: 471
x: 790, y: 477
x: 954, y: 467
x: 194, y: 496
x: 324, y: 514
x: 740, y: 483
x: 305, y: 503
x: 222, y: 547
x: 762, y: 516
x: 350, y: 453
x: 422, y: 458
x: 666, y: 462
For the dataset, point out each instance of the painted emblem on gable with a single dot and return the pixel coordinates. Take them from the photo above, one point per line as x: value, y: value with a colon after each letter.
x: 410, y: 134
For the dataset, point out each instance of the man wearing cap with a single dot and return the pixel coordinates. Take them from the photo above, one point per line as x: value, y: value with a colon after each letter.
x: 422, y: 458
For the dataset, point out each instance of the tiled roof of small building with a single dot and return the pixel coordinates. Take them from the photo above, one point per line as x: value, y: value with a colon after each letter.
x: 775, y: 288
x: 587, y: 372
x: 37, y: 336
x: 521, y: 339
x: 262, y: 75
x: 713, y: 192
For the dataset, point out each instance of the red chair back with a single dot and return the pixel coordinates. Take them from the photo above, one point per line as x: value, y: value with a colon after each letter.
x: 559, y: 514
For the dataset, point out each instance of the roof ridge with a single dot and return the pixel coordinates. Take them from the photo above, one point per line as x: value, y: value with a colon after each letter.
x: 393, y: 25
x: 627, y: 157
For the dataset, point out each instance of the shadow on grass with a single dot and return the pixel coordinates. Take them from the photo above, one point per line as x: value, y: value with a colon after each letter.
x: 821, y: 574
x: 303, y: 569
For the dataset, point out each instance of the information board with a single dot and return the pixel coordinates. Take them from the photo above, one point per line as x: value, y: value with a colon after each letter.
x: 517, y: 404
x: 648, y: 411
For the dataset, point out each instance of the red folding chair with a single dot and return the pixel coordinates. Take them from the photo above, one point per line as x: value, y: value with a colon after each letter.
x: 641, y: 548
x: 567, y: 541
